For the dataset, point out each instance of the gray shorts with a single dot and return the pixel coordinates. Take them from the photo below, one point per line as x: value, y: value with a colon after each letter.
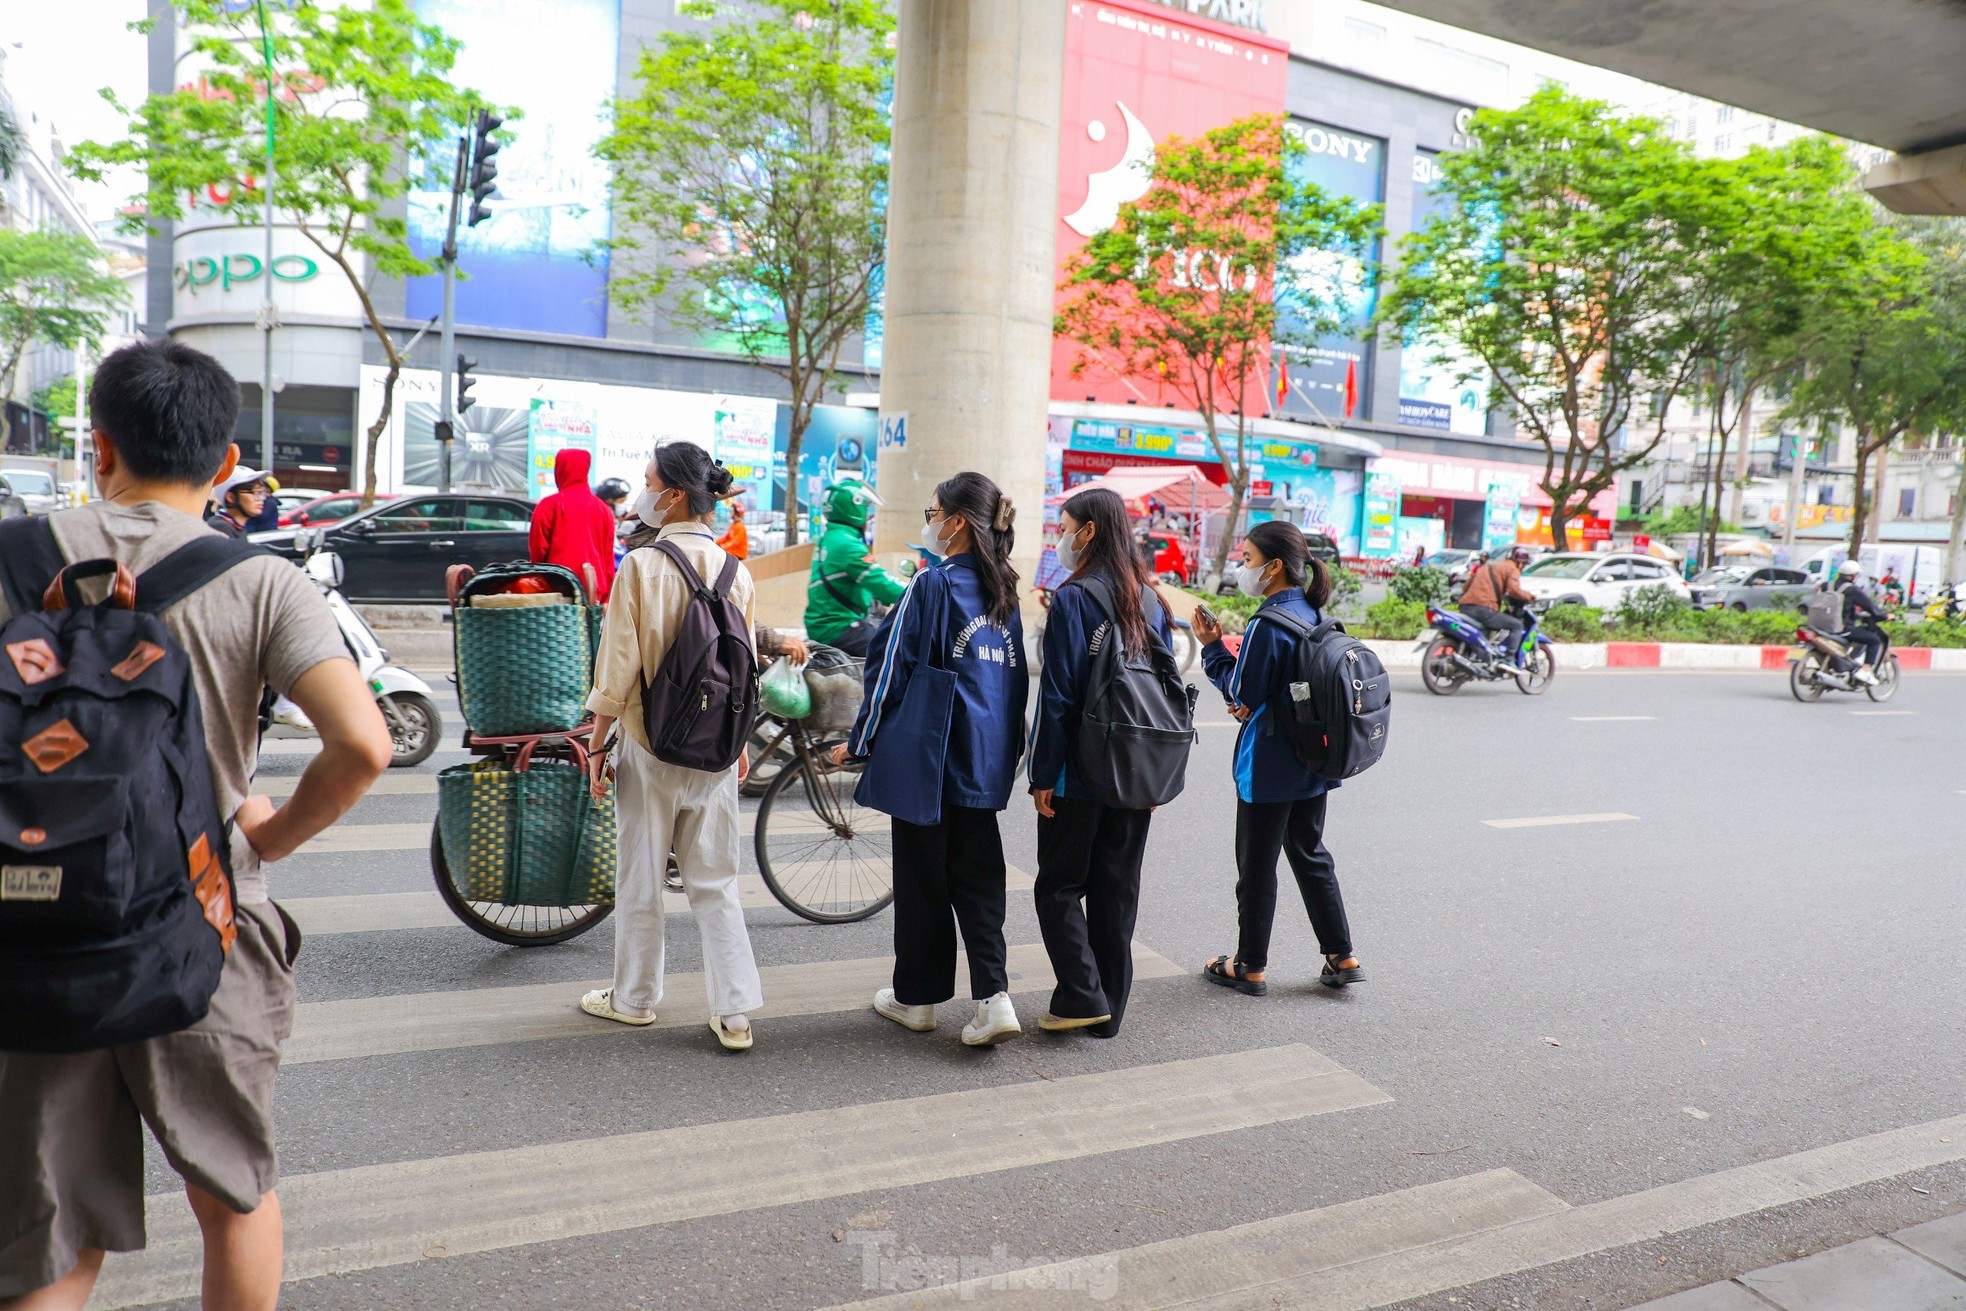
x: 71, y: 1155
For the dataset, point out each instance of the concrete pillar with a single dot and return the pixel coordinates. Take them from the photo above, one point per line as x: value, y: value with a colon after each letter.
x: 970, y: 255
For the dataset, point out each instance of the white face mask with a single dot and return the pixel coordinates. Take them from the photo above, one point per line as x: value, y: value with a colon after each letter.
x: 1249, y: 579
x: 935, y: 537
x: 646, y: 510
x: 1069, y: 554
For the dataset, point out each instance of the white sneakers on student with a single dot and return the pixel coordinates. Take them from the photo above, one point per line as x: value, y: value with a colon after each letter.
x: 996, y: 1020
x: 919, y: 1018
x: 1865, y: 677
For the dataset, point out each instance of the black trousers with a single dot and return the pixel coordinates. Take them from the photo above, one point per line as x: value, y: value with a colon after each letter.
x: 1088, y: 896
x: 1498, y: 621
x: 946, y: 875
x: 857, y: 636
x: 1265, y: 830
x: 1867, y: 640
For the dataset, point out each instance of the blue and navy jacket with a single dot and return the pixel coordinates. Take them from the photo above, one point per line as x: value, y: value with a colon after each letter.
x: 1073, y: 629
x: 945, y: 610
x: 1266, y: 766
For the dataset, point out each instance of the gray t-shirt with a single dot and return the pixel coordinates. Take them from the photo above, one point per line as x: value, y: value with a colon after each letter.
x: 259, y: 623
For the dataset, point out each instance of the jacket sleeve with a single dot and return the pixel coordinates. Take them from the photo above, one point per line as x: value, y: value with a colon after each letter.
x: 1247, y: 681
x: 1061, y: 686
x: 883, y: 586
x: 892, y: 656
x: 1163, y: 623
x: 542, y: 520
x: 1512, y: 580
x: 1861, y: 603
x: 1220, y: 666
x: 618, y: 666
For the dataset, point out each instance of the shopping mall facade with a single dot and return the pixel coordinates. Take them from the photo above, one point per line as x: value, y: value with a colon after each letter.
x: 1374, y: 443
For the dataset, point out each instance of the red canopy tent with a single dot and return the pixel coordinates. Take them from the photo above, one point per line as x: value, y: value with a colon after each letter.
x: 1180, y: 488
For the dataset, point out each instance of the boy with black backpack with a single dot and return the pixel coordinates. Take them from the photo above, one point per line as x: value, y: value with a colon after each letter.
x: 144, y: 973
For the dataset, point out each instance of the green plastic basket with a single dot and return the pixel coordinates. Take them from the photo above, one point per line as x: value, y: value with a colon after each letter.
x: 526, y: 838
x: 525, y: 670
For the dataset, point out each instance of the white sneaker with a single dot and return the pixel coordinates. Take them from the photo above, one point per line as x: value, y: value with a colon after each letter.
x: 290, y: 715
x: 996, y: 1020
x: 919, y: 1018
x: 1865, y: 676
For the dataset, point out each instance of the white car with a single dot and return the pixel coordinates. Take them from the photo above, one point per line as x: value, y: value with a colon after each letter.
x: 1601, y: 580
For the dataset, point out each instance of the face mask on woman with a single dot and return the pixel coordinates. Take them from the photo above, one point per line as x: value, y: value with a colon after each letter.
x: 1069, y: 554
x: 647, y: 508
x: 935, y: 537
x: 1249, y: 578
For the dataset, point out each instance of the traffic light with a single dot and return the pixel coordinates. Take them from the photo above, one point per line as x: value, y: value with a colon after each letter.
x: 484, y: 167
x: 464, y: 381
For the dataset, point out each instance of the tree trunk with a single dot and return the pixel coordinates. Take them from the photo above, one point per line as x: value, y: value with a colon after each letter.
x: 1560, y: 520
x: 1238, y: 486
x: 1874, y: 530
x: 376, y: 430
x: 794, y: 439
x: 1743, y: 452
x: 1710, y: 550
x: 1858, y: 511
x: 1956, y: 552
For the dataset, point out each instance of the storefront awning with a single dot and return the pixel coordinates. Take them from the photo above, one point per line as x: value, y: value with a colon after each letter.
x: 1302, y: 434
x: 1178, y: 487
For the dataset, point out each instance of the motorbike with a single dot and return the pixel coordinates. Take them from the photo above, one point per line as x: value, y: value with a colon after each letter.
x: 407, y: 704
x: 1945, y: 603
x: 1456, y: 651
x: 1813, y: 667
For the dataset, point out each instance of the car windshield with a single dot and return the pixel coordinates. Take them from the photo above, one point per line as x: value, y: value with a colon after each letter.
x: 330, y: 510
x: 1447, y: 557
x: 1561, y: 566
x: 28, y: 482
x: 1720, y: 577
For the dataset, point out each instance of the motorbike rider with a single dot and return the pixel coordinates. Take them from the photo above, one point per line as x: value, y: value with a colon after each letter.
x: 1489, y: 591
x: 846, y: 583
x: 1858, y: 603
x: 614, y: 494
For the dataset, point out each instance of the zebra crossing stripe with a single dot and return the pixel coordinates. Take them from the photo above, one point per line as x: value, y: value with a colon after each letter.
x: 403, y: 1212
x: 389, y: 785
x: 485, y: 1017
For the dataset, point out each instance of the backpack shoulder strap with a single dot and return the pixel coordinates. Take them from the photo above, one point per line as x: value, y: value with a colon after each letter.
x: 29, y: 561
x: 1101, y: 593
x: 189, y: 568
x: 681, y: 561
x: 1287, y: 620
x: 727, y: 576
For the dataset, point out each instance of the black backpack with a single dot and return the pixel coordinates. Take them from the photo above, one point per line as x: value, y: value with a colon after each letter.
x: 699, y: 708
x: 116, y: 900
x: 1341, y: 701
x: 1139, y: 717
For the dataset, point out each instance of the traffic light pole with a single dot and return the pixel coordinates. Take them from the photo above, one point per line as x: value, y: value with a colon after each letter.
x: 447, y: 347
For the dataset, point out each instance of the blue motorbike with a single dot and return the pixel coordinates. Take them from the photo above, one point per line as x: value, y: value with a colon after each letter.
x: 1458, y: 651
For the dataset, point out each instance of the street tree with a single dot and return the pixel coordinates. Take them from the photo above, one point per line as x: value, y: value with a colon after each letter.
x: 1226, y: 255
x: 750, y: 187
x: 363, y: 96
x: 54, y: 290
x: 1561, y: 266
x: 1885, y: 363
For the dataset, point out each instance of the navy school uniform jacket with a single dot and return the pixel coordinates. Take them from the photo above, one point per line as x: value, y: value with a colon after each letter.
x: 1072, y: 629
x: 945, y: 610
x: 1266, y: 765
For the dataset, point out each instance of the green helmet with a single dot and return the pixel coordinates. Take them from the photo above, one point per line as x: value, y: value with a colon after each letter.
x: 850, y: 502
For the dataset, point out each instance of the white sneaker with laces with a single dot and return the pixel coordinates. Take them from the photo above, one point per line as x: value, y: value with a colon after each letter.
x: 996, y: 1021
x: 919, y: 1018
x: 1865, y: 676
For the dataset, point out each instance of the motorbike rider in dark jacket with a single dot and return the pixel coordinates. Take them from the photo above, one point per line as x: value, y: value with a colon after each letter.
x: 1858, y: 603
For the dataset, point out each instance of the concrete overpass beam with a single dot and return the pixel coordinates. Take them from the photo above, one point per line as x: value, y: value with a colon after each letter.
x: 1930, y: 183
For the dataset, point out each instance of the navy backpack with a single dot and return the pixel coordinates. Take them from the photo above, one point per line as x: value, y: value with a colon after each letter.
x: 116, y: 899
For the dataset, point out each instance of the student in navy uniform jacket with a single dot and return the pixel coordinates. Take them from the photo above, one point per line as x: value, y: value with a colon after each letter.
x: 960, y: 616
x: 1088, y: 851
x: 1279, y: 803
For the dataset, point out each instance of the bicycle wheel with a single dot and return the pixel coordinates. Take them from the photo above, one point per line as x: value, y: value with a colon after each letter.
x: 770, y: 750
x: 1186, y: 646
x: 515, y: 926
x: 825, y: 857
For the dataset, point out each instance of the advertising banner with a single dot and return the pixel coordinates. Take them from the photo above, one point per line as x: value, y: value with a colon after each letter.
x: 1498, y: 523
x: 742, y: 429
x: 1432, y: 393
x: 1381, y: 515
x: 1136, y: 73
x: 1331, y: 375
x: 555, y: 424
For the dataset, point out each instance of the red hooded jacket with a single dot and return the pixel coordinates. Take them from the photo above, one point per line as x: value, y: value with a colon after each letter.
x: 574, y: 527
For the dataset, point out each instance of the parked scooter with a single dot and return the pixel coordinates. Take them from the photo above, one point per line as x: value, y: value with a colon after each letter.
x: 1814, y: 667
x: 407, y: 706
x: 1458, y: 652
x: 1945, y: 603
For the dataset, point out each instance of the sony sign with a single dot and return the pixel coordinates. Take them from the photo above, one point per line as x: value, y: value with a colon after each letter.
x: 1326, y: 141
x: 1251, y: 14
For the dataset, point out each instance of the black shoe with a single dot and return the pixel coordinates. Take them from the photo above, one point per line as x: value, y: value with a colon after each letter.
x: 1333, y: 977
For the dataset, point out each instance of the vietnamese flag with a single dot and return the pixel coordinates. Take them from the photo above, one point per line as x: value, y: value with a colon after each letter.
x: 1351, y: 388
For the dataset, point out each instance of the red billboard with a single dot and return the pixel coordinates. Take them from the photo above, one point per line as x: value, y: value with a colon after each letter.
x: 1135, y: 74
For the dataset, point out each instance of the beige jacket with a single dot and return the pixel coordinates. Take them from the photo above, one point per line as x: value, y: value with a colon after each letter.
x: 643, y: 611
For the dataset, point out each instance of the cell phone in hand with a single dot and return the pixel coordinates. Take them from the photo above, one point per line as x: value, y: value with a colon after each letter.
x: 1207, y: 616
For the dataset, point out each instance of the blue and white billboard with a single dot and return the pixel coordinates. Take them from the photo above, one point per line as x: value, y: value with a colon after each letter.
x: 537, y: 264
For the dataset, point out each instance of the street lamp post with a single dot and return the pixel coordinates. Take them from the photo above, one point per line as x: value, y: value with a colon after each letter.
x: 269, y: 316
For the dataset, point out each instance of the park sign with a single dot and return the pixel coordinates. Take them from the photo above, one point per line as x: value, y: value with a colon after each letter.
x: 1251, y: 14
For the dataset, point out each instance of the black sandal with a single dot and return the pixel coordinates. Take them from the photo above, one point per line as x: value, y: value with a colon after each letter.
x: 1333, y: 977
x: 1229, y: 974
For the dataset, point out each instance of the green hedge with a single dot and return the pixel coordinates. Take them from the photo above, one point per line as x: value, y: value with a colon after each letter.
x: 1574, y: 623
x: 1949, y: 633
x: 1392, y: 620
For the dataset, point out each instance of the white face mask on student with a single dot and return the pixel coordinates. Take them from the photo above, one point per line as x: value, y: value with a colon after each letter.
x: 646, y: 509
x: 1069, y: 554
x: 935, y: 537
x: 1249, y: 578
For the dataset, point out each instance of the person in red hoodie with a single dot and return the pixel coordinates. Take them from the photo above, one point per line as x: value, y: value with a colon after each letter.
x: 573, y: 527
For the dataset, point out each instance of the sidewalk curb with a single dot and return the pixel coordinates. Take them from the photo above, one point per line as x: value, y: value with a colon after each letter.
x: 1682, y: 655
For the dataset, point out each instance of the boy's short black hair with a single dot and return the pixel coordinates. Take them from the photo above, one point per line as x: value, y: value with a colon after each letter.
x: 168, y: 409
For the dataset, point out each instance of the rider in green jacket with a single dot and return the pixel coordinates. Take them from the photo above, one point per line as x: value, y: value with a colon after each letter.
x: 846, y: 583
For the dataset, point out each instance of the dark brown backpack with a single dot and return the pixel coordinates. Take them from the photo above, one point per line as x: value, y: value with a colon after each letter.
x: 699, y: 708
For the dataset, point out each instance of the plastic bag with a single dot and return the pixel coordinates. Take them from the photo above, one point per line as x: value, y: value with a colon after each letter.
x: 782, y: 690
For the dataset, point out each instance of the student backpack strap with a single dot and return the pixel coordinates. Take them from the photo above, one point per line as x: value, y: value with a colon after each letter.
x: 189, y: 568
x: 29, y: 561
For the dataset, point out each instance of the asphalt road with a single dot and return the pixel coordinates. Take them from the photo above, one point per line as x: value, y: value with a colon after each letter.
x: 1762, y: 960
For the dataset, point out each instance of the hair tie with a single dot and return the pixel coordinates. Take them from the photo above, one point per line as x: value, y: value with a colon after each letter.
x: 1006, y: 514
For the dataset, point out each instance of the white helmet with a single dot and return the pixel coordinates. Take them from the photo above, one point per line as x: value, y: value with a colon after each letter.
x: 1849, y: 569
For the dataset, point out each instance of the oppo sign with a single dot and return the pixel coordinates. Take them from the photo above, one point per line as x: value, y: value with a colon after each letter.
x: 229, y: 271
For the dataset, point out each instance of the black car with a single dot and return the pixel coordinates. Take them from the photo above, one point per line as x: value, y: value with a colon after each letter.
x: 398, y: 553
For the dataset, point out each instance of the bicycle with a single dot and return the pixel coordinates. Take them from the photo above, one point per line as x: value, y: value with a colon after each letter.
x: 824, y: 857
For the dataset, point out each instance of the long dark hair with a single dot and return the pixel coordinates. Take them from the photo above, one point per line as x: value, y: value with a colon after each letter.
x: 1111, y: 555
x: 1283, y: 542
x: 689, y: 469
x: 990, y: 517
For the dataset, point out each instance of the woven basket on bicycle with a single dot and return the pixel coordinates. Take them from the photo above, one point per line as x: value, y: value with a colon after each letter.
x: 525, y: 660
x: 834, y: 679
x: 523, y: 831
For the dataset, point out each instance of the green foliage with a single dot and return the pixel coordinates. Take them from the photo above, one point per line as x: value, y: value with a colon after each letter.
x: 1190, y: 286
x: 1949, y: 633
x: 1683, y: 519
x: 751, y: 178
x: 1422, y: 583
x: 1392, y: 619
x: 365, y: 98
x: 54, y: 288
x: 12, y: 145
x: 1646, y: 609
x: 57, y: 401
x: 1345, y: 586
x: 1574, y: 623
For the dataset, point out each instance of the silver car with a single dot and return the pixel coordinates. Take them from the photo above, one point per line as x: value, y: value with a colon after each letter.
x: 1757, y: 587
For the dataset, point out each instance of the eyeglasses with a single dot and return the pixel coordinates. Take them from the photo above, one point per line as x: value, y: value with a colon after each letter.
x: 928, y: 515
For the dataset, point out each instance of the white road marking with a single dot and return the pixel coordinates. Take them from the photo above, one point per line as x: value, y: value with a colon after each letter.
x: 1880, y: 714
x: 1235, y: 1267
x: 403, y: 1212
x: 1545, y: 821
x: 486, y: 1017
x: 1612, y: 719
x: 368, y: 837
x: 389, y: 785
